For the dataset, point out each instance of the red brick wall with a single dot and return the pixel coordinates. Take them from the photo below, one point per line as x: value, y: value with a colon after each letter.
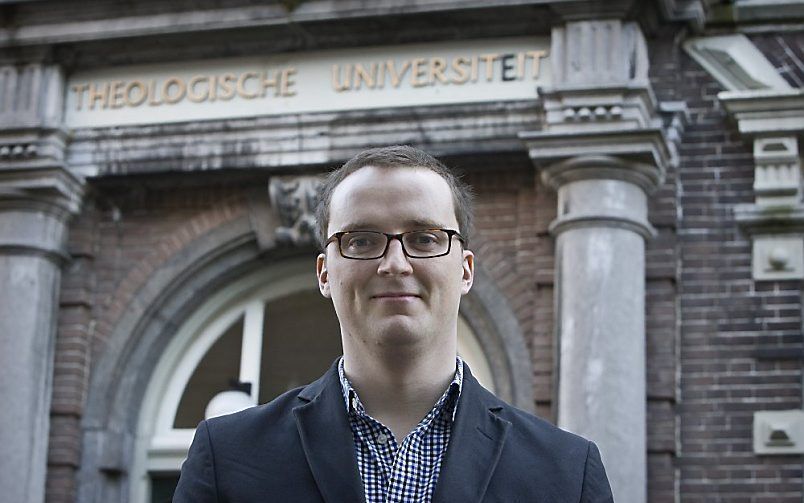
x: 125, y: 231
x: 512, y: 244
x: 724, y: 315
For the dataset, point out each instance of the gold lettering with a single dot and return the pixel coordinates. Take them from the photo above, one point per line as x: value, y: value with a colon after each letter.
x: 140, y: 86
x: 417, y: 71
x: 241, y: 85
x: 79, y: 89
x: 337, y: 85
x: 437, y: 67
x: 117, y: 98
x: 459, y: 66
x: 520, y: 65
x: 101, y: 95
x: 270, y: 82
x: 396, y: 78
x: 381, y: 77
x: 154, y: 99
x: 213, y: 88
x: 287, y: 82
x: 367, y: 76
x: 489, y: 60
x: 474, y: 68
x: 191, y: 94
x: 227, y: 81
x: 536, y: 57
x: 173, y: 82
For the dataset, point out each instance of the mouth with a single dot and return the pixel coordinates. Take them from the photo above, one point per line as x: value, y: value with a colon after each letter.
x: 395, y: 296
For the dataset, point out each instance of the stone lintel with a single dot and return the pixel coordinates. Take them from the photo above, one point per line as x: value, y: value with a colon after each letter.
x: 284, y: 144
x: 640, y: 156
x: 756, y: 219
x: 766, y: 111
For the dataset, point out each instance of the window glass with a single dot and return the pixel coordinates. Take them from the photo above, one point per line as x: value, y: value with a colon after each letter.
x: 219, y: 366
x: 163, y: 486
x: 301, y: 339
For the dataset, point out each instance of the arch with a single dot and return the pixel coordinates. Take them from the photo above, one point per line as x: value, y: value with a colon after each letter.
x: 495, y: 325
x: 167, y: 300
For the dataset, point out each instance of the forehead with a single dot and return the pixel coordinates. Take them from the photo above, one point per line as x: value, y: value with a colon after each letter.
x: 392, y: 199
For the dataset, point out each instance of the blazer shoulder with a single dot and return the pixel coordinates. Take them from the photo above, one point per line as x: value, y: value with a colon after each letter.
x: 536, y: 435
x: 274, y: 416
x: 262, y: 423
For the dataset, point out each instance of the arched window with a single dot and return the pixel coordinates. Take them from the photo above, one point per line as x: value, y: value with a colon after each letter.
x: 262, y: 335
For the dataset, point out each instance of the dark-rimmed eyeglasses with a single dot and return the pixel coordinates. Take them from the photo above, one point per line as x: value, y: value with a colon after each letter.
x: 369, y: 245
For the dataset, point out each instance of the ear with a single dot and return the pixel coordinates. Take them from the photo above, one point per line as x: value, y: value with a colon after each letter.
x: 321, y: 273
x: 468, y: 277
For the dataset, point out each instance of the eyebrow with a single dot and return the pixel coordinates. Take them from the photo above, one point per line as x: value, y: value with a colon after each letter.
x: 409, y: 224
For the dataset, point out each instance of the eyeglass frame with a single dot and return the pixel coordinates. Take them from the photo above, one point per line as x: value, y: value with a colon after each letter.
x: 388, y: 237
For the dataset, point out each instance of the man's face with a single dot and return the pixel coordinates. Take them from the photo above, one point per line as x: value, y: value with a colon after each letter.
x: 394, y: 300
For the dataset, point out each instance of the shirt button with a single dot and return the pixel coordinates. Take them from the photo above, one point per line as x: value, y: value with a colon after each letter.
x: 382, y: 438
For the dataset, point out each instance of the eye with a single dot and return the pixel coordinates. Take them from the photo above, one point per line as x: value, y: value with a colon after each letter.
x: 361, y: 240
x: 424, y: 240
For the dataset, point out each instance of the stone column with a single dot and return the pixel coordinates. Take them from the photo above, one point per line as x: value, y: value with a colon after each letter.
x: 603, y: 150
x: 37, y: 196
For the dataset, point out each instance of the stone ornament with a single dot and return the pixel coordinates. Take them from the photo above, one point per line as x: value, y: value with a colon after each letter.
x: 294, y: 199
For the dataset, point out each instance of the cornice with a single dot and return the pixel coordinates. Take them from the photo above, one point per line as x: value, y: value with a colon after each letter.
x: 113, y: 20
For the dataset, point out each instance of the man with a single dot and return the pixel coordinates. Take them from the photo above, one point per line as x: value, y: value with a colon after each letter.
x: 399, y: 417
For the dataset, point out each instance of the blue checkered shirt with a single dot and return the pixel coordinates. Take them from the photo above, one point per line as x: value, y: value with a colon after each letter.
x: 405, y: 473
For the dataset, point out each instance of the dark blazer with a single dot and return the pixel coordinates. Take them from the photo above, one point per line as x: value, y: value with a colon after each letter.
x: 299, y: 448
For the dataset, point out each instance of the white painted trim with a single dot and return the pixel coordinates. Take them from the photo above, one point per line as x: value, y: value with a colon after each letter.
x: 158, y: 445
x: 251, y: 348
x: 472, y: 353
x: 735, y: 62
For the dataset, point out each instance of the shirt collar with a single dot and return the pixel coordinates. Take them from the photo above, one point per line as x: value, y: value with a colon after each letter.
x: 448, y: 400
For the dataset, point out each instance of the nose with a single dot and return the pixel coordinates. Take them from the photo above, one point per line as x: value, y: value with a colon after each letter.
x: 394, y: 261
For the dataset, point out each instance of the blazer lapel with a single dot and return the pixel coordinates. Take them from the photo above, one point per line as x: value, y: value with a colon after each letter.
x: 476, y: 442
x: 326, y: 438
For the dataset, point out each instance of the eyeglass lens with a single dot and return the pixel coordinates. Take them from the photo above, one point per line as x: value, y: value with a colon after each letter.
x: 419, y: 244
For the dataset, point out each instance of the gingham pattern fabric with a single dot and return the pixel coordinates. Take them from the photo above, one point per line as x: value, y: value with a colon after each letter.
x: 408, y: 473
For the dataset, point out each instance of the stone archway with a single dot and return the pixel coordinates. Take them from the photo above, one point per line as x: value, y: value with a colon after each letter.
x: 121, y: 377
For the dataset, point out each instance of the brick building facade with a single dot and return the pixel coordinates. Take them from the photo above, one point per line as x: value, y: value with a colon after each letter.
x: 639, y: 215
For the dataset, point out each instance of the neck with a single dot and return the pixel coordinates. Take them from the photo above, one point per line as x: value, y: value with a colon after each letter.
x: 400, y: 389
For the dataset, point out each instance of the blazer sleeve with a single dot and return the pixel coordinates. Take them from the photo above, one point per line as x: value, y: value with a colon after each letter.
x: 596, y: 487
x: 197, y: 482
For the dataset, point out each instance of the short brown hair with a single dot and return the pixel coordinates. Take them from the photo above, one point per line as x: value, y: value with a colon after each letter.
x: 396, y: 156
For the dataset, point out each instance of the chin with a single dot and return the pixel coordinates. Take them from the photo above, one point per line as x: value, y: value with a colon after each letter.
x: 397, y: 333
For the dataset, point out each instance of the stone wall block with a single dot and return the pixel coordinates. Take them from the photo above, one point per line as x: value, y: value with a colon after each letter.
x: 599, y: 53
x: 31, y: 95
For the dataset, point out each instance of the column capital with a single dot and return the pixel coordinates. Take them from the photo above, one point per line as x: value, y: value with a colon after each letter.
x: 35, y: 206
x: 639, y: 156
x: 600, y: 117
